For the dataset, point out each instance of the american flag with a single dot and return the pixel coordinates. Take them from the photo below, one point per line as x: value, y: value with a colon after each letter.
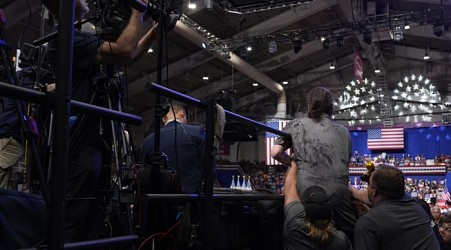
x: 445, y: 193
x: 271, y: 138
x: 358, y: 65
x: 386, y: 139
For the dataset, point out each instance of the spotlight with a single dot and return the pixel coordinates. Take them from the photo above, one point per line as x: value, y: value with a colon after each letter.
x: 377, y: 70
x: 340, y: 41
x: 249, y: 48
x: 297, y: 45
x: 426, y: 56
x: 437, y: 28
x: 285, y: 82
x: 272, y: 47
x: 204, y: 45
x: 397, y: 34
x: 332, y: 66
x: 192, y: 5
x: 326, y: 43
x: 367, y: 36
x: 255, y: 84
x: 205, y: 78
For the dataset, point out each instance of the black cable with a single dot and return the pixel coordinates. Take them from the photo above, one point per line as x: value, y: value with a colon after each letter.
x: 26, y: 26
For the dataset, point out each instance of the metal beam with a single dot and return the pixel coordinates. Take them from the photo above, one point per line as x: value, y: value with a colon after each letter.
x: 273, y: 24
x: 266, y: 66
x: 436, y: 2
x: 179, y: 67
x: 286, y: 18
x: 417, y: 54
x: 368, y: 50
x: 301, y: 79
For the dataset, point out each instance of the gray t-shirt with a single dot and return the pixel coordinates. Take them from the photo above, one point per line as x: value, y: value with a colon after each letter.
x: 322, y: 151
x: 295, y: 232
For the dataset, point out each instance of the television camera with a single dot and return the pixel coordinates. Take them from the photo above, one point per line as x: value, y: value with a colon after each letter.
x: 113, y: 15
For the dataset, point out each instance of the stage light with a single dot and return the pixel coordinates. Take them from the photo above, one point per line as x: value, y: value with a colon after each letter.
x: 150, y: 50
x: 204, y: 45
x: 297, y: 45
x: 285, y: 82
x: 192, y: 5
x: 332, y: 65
x: 249, y: 48
x: 397, y: 34
x: 426, y: 56
x: 255, y: 84
x: 272, y: 47
x: 205, y: 78
x: 377, y: 70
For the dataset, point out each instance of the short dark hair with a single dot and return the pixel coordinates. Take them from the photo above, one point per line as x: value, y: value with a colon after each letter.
x: 174, y: 107
x: 447, y: 219
x: 389, y: 182
x: 319, y: 102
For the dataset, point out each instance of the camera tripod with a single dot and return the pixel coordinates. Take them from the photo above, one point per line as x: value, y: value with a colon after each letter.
x: 23, y: 119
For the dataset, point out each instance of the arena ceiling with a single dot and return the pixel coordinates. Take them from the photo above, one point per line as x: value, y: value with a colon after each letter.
x: 274, y: 29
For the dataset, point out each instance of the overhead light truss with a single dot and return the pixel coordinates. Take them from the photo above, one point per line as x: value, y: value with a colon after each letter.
x: 375, y: 23
x: 332, y: 32
x: 239, y: 7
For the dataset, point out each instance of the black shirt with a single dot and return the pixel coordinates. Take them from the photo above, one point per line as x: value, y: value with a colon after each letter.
x: 395, y: 224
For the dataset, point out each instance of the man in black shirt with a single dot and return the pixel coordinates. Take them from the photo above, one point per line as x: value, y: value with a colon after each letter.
x: 393, y: 222
x: 89, y: 144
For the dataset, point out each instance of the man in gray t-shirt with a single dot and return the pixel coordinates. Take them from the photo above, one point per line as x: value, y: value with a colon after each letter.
x: 322, y: 150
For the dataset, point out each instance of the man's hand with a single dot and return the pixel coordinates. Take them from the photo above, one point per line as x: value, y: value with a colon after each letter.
x: 51, y: 88
x: 137, y: 13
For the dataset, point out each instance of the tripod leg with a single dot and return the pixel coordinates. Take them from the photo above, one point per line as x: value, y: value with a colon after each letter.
x: 25, y: 123
x: 50, y: 145
x: 119, y: 164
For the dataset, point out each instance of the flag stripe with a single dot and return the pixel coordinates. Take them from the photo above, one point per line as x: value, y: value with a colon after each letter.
x: 445, y: 193
x: 271, y: 139
x: 387, y: 138
x: 358, y: 65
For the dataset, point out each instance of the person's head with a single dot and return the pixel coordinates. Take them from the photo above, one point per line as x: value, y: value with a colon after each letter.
x: 318, y: 214
x: 436, y: 213
x: 319, y: 101
x: 386, y: 183
x: 176, y: 111
x: 81, y: 8
x: 445, y: 229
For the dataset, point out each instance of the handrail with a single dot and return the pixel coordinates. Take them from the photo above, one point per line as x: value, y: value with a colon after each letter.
x: 21, y: 93
x: 153, y: 87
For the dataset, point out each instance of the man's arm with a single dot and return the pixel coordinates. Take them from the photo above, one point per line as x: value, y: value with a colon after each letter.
x: 130, y: 46
x: 361, y: 195
x: 291, y: 192
x: 145, y: 44
x: 278, y: 153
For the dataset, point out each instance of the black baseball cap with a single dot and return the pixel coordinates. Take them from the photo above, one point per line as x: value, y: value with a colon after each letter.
x: 316, y: 203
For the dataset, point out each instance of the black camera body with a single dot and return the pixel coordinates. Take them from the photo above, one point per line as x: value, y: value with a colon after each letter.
x: 114, y: 15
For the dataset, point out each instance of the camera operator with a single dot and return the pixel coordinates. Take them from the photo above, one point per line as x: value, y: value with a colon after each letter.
x: 90, y: 140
